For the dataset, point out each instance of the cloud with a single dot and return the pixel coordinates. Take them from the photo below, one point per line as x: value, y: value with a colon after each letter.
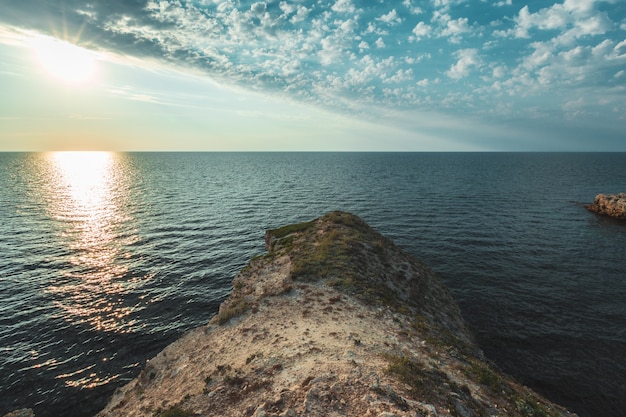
x: 466, y: 60
x: 345, y: 55
x: 449, y: 28
x: 414, y: 10
x: 620, y: 50
x: 400, y: 76
x: 391, y: 18
x: 421, y: 30
x: 577, y: 16
x: 499, y: 71
x: 446, y: 4
x: 504, y: 3
x: 343, y: 6
x: 258, y: 8
x: 301, y: 14
x: 455, y: 28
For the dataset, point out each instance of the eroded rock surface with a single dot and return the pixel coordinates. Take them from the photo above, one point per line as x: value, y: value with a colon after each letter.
x: 334, y: 320
x: 613, y: 205
x: 24, y: 412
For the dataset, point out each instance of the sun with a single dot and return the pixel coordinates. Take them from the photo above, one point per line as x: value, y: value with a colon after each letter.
x: 65, y: 61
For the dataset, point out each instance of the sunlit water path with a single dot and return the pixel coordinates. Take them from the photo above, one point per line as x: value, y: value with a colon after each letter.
x: 107, y: 257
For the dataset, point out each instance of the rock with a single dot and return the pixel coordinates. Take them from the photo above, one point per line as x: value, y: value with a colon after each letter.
x: 462, y: 410
x: 613, y: 205
x: 260, y: 412
x: 331, y: 321
x: 24, y: 412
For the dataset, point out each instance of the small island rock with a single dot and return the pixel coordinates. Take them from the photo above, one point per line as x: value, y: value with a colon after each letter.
x: 613, y: 205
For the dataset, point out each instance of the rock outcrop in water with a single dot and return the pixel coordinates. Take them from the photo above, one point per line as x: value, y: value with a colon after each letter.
x: 334, y: 320
x: 613, y: 205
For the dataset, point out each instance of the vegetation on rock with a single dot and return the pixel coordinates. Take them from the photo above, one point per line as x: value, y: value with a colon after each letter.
x: 334, y: 320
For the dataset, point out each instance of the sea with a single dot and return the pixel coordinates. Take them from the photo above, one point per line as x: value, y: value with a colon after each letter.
x: 106, y: 258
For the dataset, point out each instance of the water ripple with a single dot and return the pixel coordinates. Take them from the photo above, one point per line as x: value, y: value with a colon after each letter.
x: 106, y: 258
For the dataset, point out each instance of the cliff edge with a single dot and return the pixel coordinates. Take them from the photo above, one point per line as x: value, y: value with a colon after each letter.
x: 334, y: 320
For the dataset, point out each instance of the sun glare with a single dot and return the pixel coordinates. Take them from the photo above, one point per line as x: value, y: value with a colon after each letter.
x: 65, y: 61
x: 86, y: 176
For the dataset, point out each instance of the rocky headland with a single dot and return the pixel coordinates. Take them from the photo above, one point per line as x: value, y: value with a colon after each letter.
x: 613, y: 205
x: 335, y: 320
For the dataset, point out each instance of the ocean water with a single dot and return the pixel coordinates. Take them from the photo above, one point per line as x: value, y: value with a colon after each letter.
x: 105, y: 258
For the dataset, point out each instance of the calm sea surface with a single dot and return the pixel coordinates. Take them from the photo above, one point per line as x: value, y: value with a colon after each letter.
x: 105, y: 258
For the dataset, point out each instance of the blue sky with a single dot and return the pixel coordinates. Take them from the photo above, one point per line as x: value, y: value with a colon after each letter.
x: 315, y: 75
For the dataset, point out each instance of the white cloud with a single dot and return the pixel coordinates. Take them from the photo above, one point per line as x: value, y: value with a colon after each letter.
x: 573, y: 69
x: 467, y: 58
x: 129, y: 93
x: 620, y: 49
x: 421, y: 30
x: 421, y: 57
x: 390, y: 18
x: 368, y: 70
x: 258, y: 8
x: 300, y: 15
x: 348, y: 26
x: 400, y: 76
x: 287, y: 8
x: 575, y: 56
x: 412, y: 9
x: 343, y: 6
x: 445, y: 4
x: 602, y: 49
x: 330, y: 51
x: 262, y: 45
x: 573, y: 108
x: 562, y: 59
x: 455, y: 28
x: 15, y: 36
x: 577, y: 15
x: 595, y: 25
x: 499, y: 72
x: 542, y: 55
x: 579, y: 5
x: 553, y: 18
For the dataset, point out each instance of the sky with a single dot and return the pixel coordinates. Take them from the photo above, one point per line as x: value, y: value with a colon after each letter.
x: 318, y: 75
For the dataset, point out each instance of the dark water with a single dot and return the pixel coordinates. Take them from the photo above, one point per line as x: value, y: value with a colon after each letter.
x: 107, y: 258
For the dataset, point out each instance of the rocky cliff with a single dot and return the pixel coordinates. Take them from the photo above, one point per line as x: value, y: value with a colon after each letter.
x: 613, y: 205
x: 334, y: 320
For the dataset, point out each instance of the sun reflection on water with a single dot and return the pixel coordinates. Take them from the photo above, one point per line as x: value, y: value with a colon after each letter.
x: 88, y: 193
x: 87, y: 177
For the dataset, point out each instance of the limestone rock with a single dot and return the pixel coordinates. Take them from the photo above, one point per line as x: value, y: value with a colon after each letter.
x: 613, y: 205
x: 24, y: 412
x: 335, y: 320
